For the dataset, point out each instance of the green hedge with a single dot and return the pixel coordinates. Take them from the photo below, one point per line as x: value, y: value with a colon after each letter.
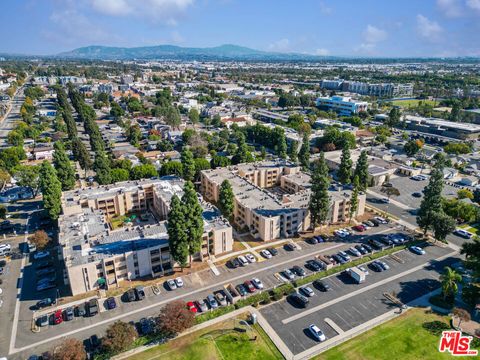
x: 254, y: 300
x: 214, y: 314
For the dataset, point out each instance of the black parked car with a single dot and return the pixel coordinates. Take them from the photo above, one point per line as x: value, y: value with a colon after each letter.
x: 367, y: 247
x: 233, y: 263
x: 314, y: 265
x: 45, y: 303
x: 375, y: 244
x: 313, y: 240
x: 320, y: 285
x: 298, y: 270
x: 130, y: 295
x: 375, y: 222
x: 339, y: 259
x: 242, y: 290
x: 111, y: 303
x: 298, y: 300
x: 140, y: 293
x: 273, y: 251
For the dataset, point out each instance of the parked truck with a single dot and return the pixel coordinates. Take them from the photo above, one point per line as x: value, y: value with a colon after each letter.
x: 356, y: 274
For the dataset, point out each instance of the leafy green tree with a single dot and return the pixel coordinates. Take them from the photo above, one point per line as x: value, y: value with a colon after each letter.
x: 28, y: 176
x: 116, y: 110
x: 200, y: 165
x: 177, y: 232
x: 281, y: 142
x: 10, y: 158
x: 102, y: 168
x: 65, y: 170
x: 172, y: 117
x: 411, y: 147
x: 442, y: 225
x: 81, y: 154
x: 344, y: 173
x: 119, y: 175
x: 361, y: 171
x: 354, y: 199
x: 15, y: 138
x: 432, y: 199
x: 188, y: 165
x: 293, y: 151
x: 51, y: 190
x: 172, y: 168
x: 464, y: 194
x: 194, y: 116
x: 219, y: 161
x: 304, y: 154
x: 393, y: 117
x: 144, y: 171
x: 226, y: 199
x: 193, y: 213
x: 319, y: 199
x: 134, y: 134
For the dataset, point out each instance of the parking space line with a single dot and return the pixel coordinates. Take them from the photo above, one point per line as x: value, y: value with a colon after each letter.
x: 341, y: 318
x: 348, y: 313
x: 354, y: 308
x: 361, y: 304
x: 364, y: 289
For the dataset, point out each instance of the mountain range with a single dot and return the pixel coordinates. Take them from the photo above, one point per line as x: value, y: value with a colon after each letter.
x: 226, y: 52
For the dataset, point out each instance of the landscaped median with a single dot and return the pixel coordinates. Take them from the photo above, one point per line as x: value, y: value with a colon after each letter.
x: 279, y: 292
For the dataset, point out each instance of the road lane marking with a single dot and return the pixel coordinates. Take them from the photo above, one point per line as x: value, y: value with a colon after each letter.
x: 362, y: 290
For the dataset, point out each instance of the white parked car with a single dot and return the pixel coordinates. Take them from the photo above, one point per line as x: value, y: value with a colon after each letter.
x: 41, y: 255
x: 243, y: 260
x: 364, y: 269
x: 257, y: 283
x: 251, y: 258
x: 380, y: 220
x: 317, y: 333
x: 266, y: 254
x: 340, y: 233
x: 179, y: 282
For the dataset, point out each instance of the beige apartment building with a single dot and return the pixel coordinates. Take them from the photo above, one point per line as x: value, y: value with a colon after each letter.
x: 98, y: 256
x: 272, y: 198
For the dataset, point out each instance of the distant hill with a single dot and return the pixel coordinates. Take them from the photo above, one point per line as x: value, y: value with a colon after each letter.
x: 227, y: 52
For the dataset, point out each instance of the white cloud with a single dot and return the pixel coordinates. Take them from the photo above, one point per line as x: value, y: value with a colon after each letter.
x: 322, y: 52
x: 165, y: 11
x: 280, y: 45
x: 324, y: 8
x: 450, y: 8
x: 428, y: 29
x: 112, y: 7
x: 371, y: 37
x: 474, y: 4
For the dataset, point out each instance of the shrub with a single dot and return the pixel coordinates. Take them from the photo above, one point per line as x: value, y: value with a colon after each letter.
x: 435, y: 327
x: 214, y: 314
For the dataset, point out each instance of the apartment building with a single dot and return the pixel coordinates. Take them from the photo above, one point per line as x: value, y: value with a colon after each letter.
x: 384, y: 90
x: 97, y: 255
x: 272, y: 198
x: 342, y: 105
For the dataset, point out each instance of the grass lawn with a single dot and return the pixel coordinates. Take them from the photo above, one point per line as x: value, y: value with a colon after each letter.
x: 214, y: 343
x: 401, y: 338
x: 412, y: 103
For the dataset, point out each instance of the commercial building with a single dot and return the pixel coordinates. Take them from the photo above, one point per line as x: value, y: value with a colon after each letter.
x: 342, y: 105
x: 272, y: 198
x: 99, y: 254
x: 456, y: 130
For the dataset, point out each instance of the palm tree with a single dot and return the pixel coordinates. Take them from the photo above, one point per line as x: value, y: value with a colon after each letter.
x: 389, y: 191
x: 462, y: 315
x: 450, y: 279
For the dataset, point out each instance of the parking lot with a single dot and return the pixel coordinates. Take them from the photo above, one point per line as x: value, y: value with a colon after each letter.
x: 407, y: 187
x: 197, y: 286
x: 348, y: 304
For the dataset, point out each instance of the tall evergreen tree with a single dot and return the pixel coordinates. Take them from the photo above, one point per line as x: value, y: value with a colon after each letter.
x: 102, y: 168
x: 281, y: 147
x: 193, y: 215
x: 293, y: 151
x: 344, y: 173
x: 361, y: 171
x: 304, y: 154
x: 81, y: 154
x: 432, y: 200
x: 65, y: 170
x: 319, y: 199
x: 177, y: 234
x: 188, y: 165
x: 226, y: 199
x: 51, y: 190
x: 354, y: 199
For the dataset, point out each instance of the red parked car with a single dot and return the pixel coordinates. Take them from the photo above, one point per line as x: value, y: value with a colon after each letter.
x: 57, y: 317
x: 191, y: 306
x: 250, y: 287
x: 359, y: 228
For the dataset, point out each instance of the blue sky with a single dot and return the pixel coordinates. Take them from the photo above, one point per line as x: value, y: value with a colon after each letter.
x: 324, y: 27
